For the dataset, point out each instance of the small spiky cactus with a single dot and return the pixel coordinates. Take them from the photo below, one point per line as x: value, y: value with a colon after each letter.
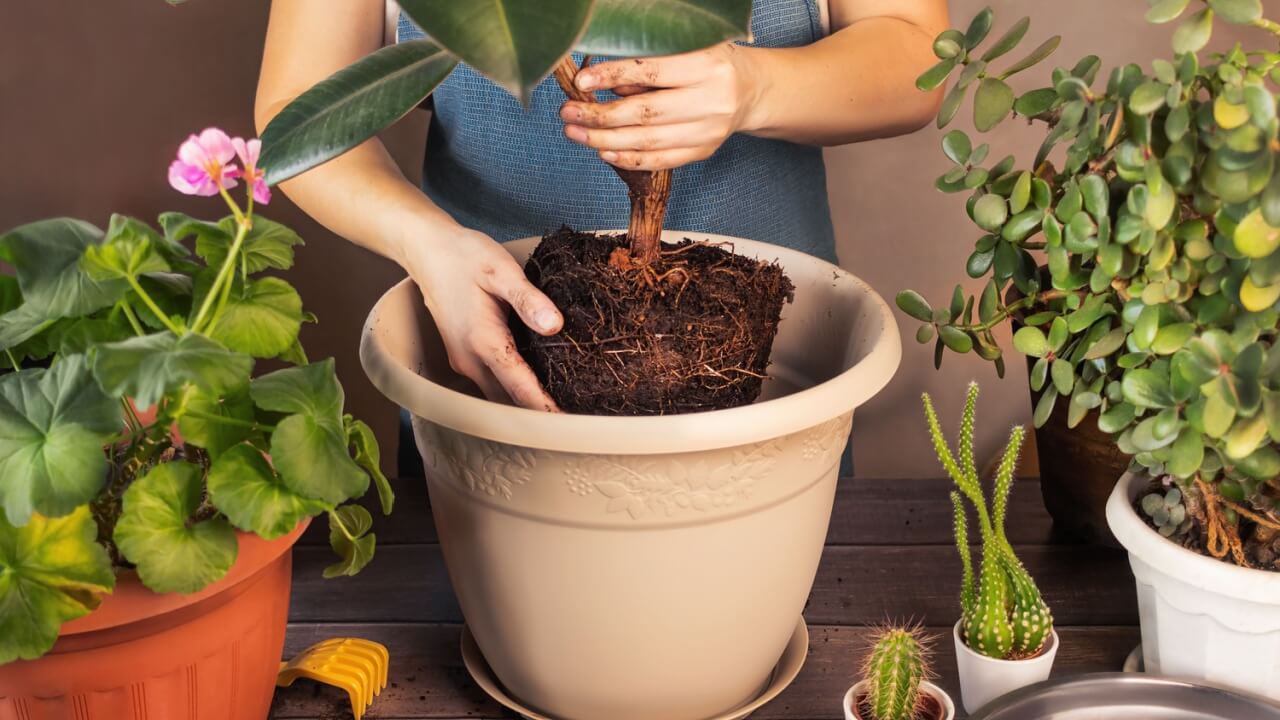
x: 1003, y: 614
x: 893, y: 671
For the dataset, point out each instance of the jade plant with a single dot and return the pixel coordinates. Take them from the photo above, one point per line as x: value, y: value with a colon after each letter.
x: 898, y: 663
x: 134, y: 431
x: 1136, y: 254
x: 1002, y: 612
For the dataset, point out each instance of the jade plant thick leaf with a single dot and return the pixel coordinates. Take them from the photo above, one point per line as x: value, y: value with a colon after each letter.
x: 133, y: 429
x: 516, y: 44
x: 1136, y: 254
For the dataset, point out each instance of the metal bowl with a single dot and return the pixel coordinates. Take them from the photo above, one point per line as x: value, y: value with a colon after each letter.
x: 1126, y: 696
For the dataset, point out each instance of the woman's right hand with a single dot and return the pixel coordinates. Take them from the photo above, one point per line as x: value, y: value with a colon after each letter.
x: 469, y: 281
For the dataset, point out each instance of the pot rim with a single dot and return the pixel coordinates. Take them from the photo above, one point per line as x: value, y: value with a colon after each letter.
x: 689, y: 432
x: 131, y: 601
x: 1046, y: 656
x: 942, y: 696
x: 1202, y: 571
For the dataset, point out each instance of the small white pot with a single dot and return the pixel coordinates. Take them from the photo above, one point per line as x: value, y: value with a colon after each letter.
x: 1202, y: 619
x: 983, y: 679
x: 948, y: 707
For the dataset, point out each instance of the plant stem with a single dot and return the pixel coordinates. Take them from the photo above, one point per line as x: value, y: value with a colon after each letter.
x: 337, y: 519
x: 242, y: 229
x: 1270, y: 26
x: 133, y: 319
x: 648, y: 191
x: 1008, y: 310
x: 131, y: 416
x: 227, y: 421
x: 12, y: 360
x: 235, y: 209
x: 152, y: 306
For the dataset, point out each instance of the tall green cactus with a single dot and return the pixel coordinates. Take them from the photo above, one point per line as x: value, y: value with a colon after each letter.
x: 893, y: 671
x: 1002, y: 613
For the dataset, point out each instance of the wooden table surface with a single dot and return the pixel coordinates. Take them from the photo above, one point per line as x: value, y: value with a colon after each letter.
x: 889, y: 555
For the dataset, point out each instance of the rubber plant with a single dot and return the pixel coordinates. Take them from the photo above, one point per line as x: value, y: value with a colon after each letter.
x: 1002, y: 612
x: 515, y: 44
x: 1138, y: 251
x: 134, y: 432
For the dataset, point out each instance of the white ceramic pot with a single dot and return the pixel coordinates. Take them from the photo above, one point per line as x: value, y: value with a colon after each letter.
x: 634, y: 568
x: 1202, y: 619
x: 937, y: 693
x: 983, y: 679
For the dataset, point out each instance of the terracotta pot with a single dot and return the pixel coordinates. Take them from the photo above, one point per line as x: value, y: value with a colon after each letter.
x: 634, y: 568
x: 1078, y: 469
x: 212, y: 655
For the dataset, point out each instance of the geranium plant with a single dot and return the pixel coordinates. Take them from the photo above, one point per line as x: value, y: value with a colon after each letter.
x: 1139, y: 259
x: 134, y: 432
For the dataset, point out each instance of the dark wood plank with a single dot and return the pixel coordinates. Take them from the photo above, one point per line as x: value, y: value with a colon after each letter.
x: 429, y: 681
x: 856, y: 585
x: 866, y: 512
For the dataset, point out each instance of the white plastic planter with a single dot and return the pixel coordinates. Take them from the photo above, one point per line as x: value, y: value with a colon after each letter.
x: 855, y: 692
x: 983, y: 679
x: 1202, y: 619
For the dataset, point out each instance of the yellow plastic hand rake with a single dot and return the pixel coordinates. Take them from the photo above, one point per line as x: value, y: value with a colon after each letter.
x: 357, y: 666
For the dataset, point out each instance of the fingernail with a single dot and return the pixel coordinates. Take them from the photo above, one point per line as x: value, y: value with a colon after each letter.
x: 576, y: 133
x: 585, y: 81
x: 546, y: 320
x: 570, y: 113
x: 608, y: 156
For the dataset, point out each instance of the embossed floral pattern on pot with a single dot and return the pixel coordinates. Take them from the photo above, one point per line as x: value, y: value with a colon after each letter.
x: 483, y: 466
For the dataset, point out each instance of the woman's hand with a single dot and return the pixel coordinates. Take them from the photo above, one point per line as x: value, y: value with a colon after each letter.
x: 675, y: 110
x: 468, y: 281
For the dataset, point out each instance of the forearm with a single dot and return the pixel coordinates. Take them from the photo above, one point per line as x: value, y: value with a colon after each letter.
x: 856, y: 84
x: 363, y: 197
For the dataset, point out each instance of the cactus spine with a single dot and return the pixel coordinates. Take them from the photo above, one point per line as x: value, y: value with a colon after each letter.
x: 893, y: 671
x: 1003, y: 614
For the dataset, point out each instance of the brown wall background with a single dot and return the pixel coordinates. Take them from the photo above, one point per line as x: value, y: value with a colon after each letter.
x: 96, y: 96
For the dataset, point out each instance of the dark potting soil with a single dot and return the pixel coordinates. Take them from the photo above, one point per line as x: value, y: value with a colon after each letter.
x: 1261, y: 545
x: 690, y: 332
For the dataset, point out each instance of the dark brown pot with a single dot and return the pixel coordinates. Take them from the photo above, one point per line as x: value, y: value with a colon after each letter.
x: 1079, y: 467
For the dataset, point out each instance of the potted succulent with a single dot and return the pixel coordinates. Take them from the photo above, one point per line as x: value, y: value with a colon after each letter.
x: 895, y: 682
x: 585, y: 550
x: 1154, y: 305
x: 1005, y: 638
x: 153, y: 484
x: 1121, y: 224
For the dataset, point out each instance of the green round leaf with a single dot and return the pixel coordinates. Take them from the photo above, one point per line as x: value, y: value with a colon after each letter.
x: 156, y: 532
x: 350, y: 538
x: 1146, y: 388
x: 949, y: 44
x: 1193, y: 34
x: 932, y: 78
x: 245, y: 488
x: 1036, y: 102
x: 955, y: 339
x: 51, y: 570
x: 53, y: 424
x: 1148, y: 97
x: 991, y: 103
x: 978, y: 28
x: 956, y: 145
x: 1163, y: 11
x: 914, y: 304
x: 1255, y: 237
x: 1031, y: 341
x: 1063, y: 375
x: 146, y: 368
x: 990, y: 212
x: 261, y: 319
x: 1237, y: 11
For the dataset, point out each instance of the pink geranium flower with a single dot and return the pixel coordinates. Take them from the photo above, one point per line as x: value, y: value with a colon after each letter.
x: 253, y: 175
x: 202, y: 166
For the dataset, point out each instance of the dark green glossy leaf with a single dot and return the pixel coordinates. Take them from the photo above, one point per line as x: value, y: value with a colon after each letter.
x: 955, y: 339
x: 1031, y: 341
x: 978, y: 28
x: 932, y: 78
x: 950, y: 106
x: 914, y: 304
x: 1147, y: 389
x: 956, y: 145
x: 351, y: 106
x: 1041, y: 52
x: 1036, y: 102
x: 632, y: 28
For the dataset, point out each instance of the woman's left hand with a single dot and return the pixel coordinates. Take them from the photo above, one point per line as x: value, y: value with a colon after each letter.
x: 674, y: 110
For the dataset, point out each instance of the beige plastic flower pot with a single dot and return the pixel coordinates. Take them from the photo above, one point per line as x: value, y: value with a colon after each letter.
x: 634, y: 568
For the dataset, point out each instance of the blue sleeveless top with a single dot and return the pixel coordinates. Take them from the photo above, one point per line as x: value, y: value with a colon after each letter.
x: 510, y: 172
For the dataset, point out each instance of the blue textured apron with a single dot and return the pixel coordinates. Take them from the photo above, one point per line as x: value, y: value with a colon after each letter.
x: 509, y: 172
